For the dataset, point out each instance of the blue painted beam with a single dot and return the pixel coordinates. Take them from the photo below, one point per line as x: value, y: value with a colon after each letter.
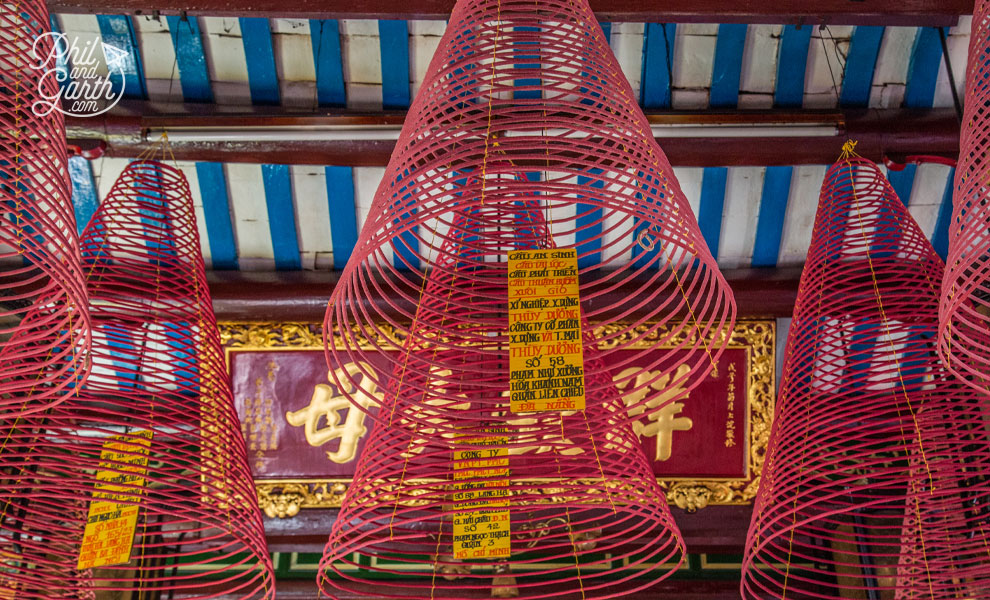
x: 727, y: 65
x: 521, y: 55
x: 770, y: 224
x: 607, y: 30
x: 940, y: 237
x: 85, y: 198
x: 712, y: 203
x: 926, y: 58
x: 792, y: 63
x: 587, y: 238
x: 194, y: 76
x: 861, y: 61
x: 281, y: 216
x: 216, y: 211
x: 393, y: 36
x: 120, y: 345
x: 325, y: 37
x: 62, y: 67
x: 118, y: 31
x: 256, y: 36
x: 903, y: 182
x: 343, y: 213
x: 643, y: 256
x: 405, y: 246
x: 658, y: 57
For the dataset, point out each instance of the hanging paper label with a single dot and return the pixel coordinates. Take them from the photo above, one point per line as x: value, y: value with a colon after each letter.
x: 481, y: 520
x: 111, y: 523
x: 546, y: 360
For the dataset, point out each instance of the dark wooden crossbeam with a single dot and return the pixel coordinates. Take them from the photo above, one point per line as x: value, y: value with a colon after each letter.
x: 129, y: 129
x: 302, y: 295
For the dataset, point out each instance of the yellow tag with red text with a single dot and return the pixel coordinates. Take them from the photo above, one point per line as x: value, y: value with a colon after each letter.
x: 481, y: 523
x: 112, y: 518
x: 546, y: 358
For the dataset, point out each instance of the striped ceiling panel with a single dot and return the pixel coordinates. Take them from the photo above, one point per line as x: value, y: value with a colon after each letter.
x: 264, y: 217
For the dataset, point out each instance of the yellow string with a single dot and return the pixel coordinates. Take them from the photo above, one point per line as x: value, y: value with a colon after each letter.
x: 848, y: 150
x: 567, y: 513
x: 705, y: 342
x: 491, y: 97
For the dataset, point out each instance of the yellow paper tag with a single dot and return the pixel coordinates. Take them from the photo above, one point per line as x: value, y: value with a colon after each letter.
x: 546, y: 359
x: 110, y: 526
x: 481, y: 523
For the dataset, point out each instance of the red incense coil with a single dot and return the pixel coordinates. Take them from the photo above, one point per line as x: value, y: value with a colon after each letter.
x: 964, y: 312
x: 158, y: 367
x: 876, y: 475
x: 586, y: 516
x: 525, y: 135
x: 44, y: 325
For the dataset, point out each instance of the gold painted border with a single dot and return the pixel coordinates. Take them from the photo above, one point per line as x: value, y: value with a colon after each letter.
x: 285, y: 497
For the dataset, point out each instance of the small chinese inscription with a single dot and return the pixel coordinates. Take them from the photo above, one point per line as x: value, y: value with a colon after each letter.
x: 258, y: 424
x: 730, y: 422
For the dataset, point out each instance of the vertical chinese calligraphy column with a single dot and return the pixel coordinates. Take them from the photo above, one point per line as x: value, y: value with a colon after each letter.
x: 44, y: 324
x: 141, y: 482
x: 964, y: 310
x: 258, y: 424
x: 878, y: 459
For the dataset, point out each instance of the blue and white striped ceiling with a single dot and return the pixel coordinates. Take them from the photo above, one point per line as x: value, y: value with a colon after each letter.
x: 264, y: 217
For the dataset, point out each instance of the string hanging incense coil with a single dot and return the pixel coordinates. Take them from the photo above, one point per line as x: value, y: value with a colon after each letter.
x: 44, y: 326
x: 155, y: 421
x: 964, y: 312
x: 582, y: 513
x: 524, y: 135
x: 876, y: 474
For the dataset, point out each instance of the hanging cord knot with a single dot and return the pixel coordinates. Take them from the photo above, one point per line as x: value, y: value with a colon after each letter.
x: 849, y: 149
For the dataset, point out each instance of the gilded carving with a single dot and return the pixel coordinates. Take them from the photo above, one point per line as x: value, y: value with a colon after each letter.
x: 283, y: 498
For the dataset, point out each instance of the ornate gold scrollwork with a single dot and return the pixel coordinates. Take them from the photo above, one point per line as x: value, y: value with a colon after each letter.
x: 284, y: 498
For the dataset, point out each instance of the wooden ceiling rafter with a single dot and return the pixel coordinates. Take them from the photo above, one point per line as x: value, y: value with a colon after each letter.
x: 127, y: 130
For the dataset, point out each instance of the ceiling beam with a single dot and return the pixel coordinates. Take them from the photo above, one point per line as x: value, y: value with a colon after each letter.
x: 301, y: 296
x: 832, y: 12
x: 281, y: 136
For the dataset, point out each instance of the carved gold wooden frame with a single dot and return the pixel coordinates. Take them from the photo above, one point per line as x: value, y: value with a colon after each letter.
x: 285, y: 497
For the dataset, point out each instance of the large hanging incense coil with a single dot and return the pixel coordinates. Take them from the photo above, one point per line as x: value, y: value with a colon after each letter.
x: 44, y: 326
x: 524, y: 135
x: 876, y: 478
x: 155, y: 422
x: 964, y: 312
x: 580, y: 513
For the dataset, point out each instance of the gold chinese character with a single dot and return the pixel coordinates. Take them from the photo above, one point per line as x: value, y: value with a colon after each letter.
x: 325, y: 404
x: 664, y: 422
